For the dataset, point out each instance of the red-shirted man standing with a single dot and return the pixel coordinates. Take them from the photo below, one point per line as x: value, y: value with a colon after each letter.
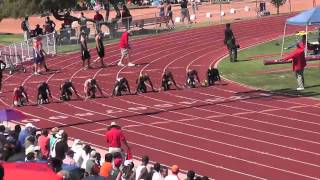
x: 125, y: 47
x: 298, y: 64
x: 114, y: 138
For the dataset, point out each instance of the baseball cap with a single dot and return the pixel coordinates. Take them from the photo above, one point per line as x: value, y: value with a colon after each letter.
x: 175, y: 169
x: 127, y: 162
x: 29, y: 125
x: 113, y: 124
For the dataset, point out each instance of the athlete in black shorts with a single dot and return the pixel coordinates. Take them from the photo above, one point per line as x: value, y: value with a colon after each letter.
x: 141, y: 83
x: 66, y: 91
x: 90, y: 88
x: 100, y: 47
x: 167, y: 81
x: 43, y: 93
x: 192, y: 76
x: 122, y: 85
x: 212, y: 76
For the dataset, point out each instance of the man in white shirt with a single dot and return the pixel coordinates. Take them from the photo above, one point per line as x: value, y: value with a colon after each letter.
x: 174, y: 175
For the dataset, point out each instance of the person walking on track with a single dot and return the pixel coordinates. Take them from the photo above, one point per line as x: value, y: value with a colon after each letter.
x: 230, y: 41
x: 100, y: 48
x: 115, y: 137
x: 125, y: 48
x: 85, y: 55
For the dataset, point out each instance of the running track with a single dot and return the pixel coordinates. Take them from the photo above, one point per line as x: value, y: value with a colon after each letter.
x: 227, y: 132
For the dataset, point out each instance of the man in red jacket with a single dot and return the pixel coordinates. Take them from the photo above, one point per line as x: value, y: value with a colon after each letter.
x: 298, y: 64
x: 125, y: 47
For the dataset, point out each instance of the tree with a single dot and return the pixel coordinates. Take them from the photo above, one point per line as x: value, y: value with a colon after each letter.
x: 278, y: 3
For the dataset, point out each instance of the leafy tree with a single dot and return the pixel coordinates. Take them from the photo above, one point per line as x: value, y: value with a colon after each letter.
x: 278, y: 3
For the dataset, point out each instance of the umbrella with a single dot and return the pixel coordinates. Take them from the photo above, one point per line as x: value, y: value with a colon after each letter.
x: 11, y: 115
x: 28, y: 171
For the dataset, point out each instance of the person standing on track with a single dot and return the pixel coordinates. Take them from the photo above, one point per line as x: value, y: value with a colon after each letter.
x: 85, y: 55
x: 230, y: 41
x: 115, y: 137
x: 125, y: 47
x: 43, y: 93
x: 298, y: 64
x: 100, y: 48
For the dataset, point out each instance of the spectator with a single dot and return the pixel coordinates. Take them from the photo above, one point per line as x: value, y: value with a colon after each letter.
x: 128, y: 171
x: 91, y: 161
x: 157, y: 174
x: 98, y: 158
x: 25, y: 28
x: 2, y: 136
x: 114, y: 138
x: 98, y: 19
x: 164, y: 172
x: 49, y: 25
x: 142, y: 171
x: 30, y: 145
x: 1, y: 172
x: 69, y: 159
x: 205, y: 178
x: 85, y: 155
x: 107, y: 165
x: 44, y: 143
x: 190, y: 175
x: 174, y: 175
x: 184, y: 11
x: 24, y: 134
x: 115, y: 173
x: 61, y: 147
x: 77, y: 148
x: 16, y: 132
x: 38, y: 31
x: 53, y: 137
x: 30, y: 157
x: 126, y: 17
x: 56, y: 165
x: 94, y: 173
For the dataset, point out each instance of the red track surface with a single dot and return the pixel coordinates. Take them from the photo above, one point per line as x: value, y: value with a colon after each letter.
x: 226, y: 131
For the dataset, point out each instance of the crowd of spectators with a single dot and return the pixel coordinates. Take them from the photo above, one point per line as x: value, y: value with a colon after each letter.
x: 80, y: 160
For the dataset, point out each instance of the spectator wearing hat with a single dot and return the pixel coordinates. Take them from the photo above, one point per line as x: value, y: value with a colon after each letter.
x: 114, y: 137
x: 115, y: 173
x: 157, y: 174
x: 107, y: 165
x: 24, y: 134
x: 175, y: 171
x: 60, y: 147
x: 69, y: 159
x: 142, y: 171
x: 44, y: 143
x: 98, y: 19
x: 128, y: 172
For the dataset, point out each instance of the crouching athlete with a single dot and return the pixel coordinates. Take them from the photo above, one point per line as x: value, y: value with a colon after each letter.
x: 213, y: 75
x: 141, y: 83
x: 20, y: 96
x: 43, y: 93
x: 167, y: 81
x: 66, y: 91
x: 122, y: 85
x: 90, y: 88
x: 192, y: 78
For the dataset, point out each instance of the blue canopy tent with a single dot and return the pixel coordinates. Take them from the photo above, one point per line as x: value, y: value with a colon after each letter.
x: 305, y: 18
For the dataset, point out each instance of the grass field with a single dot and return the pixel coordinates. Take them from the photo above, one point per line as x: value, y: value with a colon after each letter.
x: 251, y: 71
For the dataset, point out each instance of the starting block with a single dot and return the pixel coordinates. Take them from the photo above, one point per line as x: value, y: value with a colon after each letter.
x: 232, y: 11
x: 208, y: 15
x: 177, y: 19
x: 222, y: 13
x: 246, y: 8
x: 193, y: 17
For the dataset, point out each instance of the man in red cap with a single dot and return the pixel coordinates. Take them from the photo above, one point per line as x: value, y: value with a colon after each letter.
x: 114, y: 138
x: 298, y: 64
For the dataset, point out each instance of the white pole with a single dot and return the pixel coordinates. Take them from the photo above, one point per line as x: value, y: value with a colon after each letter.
x: 284, y: 34
x: 306, y: 45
